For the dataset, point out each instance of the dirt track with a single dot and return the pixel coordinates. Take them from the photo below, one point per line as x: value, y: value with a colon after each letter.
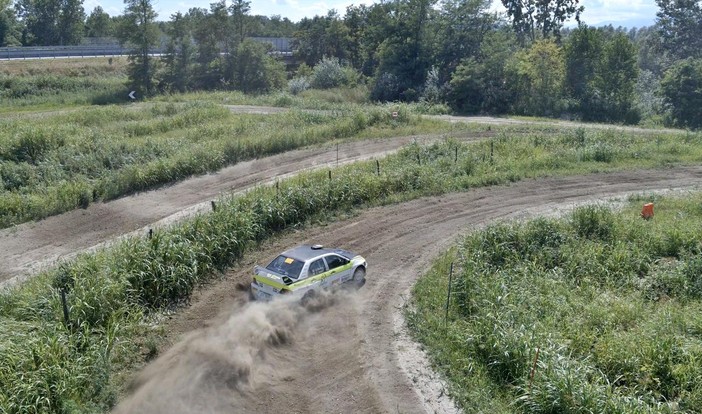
x: 344, y: 358
x: 30, y: 247
x: 232, y: 357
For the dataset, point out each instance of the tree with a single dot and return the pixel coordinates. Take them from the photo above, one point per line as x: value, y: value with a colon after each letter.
x: 322, y: 36
x: 141, y: 33
x: 98, y: 24
x: 235, y: 34
x: 368, y: 26
x: 461, y: 27
x: 70, y: 22
x: 546, y: 16
x: 616, y: 81
x: 583, y: 53
x: 178, y: 59
x: 239, y: 12
x: 536, y: 74
x: 405, y: 50
x: 680, y: 27
x: 255, y: 71
x: 9, y: 30
x: 40, y: 19
x: 48, y: 22
x: 682, y: 91
x: 652, y: 54
x: 207, y: 58
x: 479, y: 83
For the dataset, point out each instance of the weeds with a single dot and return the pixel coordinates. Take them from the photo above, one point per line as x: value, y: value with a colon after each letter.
x: 70, y: 160
x: 615, y: 318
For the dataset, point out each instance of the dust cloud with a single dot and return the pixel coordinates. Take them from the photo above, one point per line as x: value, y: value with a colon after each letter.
x: 218, y: 369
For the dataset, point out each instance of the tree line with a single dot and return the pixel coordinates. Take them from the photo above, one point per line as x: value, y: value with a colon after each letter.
x: 454, y: 52
x: 66, y: 22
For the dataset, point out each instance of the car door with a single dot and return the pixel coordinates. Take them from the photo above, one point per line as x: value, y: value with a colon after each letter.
x: 338, y: 269
x: 316, y: 268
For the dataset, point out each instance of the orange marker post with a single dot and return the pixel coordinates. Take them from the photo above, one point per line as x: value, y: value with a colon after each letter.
x: 647, y: 211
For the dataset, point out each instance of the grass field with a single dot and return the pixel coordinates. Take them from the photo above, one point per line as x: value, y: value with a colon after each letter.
x: 60, y: 83
x: 115, y: 294
x: 612, y: 303
x: 51, y: 163
x: 632, y: 351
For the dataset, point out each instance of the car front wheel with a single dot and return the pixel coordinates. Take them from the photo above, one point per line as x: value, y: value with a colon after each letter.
x: 359, y: 276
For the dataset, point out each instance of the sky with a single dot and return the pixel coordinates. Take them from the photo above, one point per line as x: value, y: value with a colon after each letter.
x: 628, y: 13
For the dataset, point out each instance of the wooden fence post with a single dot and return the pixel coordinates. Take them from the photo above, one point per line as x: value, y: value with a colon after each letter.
x: 448, y: 296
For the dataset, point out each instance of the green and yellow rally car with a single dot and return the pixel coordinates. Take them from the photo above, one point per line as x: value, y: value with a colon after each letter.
x: 304, y: 270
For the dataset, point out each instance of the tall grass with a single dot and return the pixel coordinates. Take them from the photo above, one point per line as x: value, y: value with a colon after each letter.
x: 65, y: 161
x: 612, y: 303
x: 111, y: 291
x: 62, y: 82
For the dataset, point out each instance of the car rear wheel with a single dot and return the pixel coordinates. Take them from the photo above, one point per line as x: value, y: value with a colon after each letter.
x: 307, y: 297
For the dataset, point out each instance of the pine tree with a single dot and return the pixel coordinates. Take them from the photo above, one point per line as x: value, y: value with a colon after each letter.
x: 141, y: 33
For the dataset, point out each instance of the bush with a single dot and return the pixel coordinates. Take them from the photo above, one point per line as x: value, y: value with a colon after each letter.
x: 297, y: 85
x: 593, y: 222
x: 432, y: 91
x: 386, y: 88
x: 329, y: 73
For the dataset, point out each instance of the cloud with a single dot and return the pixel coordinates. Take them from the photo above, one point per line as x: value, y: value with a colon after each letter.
x: 596, y: 11
x: 601, y: 11
x: 609, y: 11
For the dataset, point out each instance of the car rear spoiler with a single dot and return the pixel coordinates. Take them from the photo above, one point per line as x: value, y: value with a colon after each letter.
x: 271, y: 278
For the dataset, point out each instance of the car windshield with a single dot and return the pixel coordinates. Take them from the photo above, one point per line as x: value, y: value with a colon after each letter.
x: 286, y: 266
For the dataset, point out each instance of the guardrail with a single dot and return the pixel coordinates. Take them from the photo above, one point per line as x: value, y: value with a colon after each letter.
x: 39, y: 52
x: 281, y: 47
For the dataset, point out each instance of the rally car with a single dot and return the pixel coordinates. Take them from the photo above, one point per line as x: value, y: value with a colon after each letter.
x: 305, y: 270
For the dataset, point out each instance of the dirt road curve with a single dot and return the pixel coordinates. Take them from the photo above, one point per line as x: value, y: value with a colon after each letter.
x: 29, y: 247
x: 345, y: 358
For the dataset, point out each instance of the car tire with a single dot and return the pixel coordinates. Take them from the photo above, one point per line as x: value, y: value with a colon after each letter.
x: 307, y: 297
x: 359, y: 276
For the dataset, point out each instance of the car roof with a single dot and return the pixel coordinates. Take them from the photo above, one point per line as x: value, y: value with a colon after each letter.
x: 306, y: 252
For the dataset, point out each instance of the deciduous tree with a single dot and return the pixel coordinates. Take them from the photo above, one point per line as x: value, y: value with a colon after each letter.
x: 50, y: 22
x: 682, y: 91
x: 178, y: 59
x: 537, y: 74
x: 680, y: 27
x: 616, y: 81
x: 9, y: 28
x: 98, y: 24
x: 583, y: 54
x: 254, y: 70
x: 543, y: 16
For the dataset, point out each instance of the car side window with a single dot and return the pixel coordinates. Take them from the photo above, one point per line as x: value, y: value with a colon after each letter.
x: 316, y: 267
x: 336, y: 261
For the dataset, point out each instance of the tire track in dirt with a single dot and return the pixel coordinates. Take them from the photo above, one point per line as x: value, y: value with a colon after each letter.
x: 346, y: 357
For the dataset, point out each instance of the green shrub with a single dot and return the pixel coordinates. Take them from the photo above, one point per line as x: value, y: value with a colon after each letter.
x: 593, y: 222
x: 330, y: 73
